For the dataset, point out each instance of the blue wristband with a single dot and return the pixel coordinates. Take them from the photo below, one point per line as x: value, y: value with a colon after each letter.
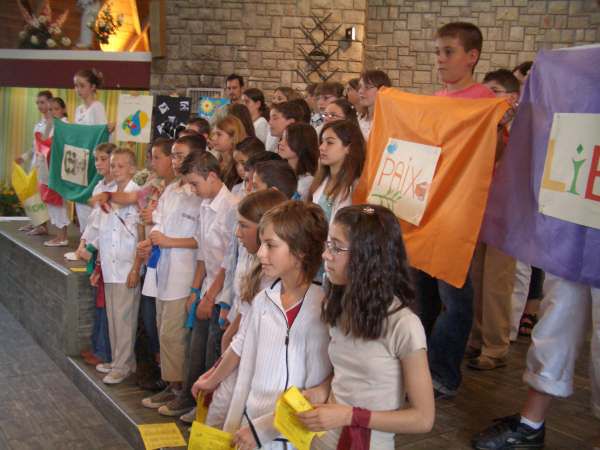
x: 195, y: 291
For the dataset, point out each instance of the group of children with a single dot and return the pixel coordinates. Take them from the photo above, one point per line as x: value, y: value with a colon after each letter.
x: 256, y: 273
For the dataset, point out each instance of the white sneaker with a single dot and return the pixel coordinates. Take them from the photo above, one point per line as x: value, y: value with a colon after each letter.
x: 189, y: 417
x: 115, y: 377
x: 104, y: 367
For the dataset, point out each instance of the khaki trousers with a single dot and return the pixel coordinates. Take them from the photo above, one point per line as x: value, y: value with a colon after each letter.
x: 493, y: 275
x: 173, y: 337
x: 122, y: 306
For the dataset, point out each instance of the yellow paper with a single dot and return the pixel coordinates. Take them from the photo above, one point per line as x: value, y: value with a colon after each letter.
x: 291, y: 402
x: 78, y: 269
x: 161, y: 435
x: 201, y: 408
x: 203, y: 437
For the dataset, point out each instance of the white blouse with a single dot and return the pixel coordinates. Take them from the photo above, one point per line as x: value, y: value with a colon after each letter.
x: 261, y: 129
x: 92, y: 115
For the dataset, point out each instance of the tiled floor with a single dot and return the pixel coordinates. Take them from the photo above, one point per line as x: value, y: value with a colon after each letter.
x: 40, y: 408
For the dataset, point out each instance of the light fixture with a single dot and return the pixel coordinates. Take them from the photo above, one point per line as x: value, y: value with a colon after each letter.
x: 351, y: 34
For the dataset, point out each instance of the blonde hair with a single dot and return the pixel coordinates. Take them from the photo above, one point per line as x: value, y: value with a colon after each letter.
x: 233, y: 127
x: 126, y: 152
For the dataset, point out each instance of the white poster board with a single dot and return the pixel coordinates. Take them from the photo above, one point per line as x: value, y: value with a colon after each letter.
x: 570, y: 187
x: 404, y: 178
x: 74, y: 167
x: 134, y: 114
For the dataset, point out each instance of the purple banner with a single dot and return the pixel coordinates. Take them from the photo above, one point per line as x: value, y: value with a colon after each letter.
x: 561, y: 81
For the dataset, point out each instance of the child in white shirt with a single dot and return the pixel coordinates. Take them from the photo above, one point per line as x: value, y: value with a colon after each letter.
x: 217, y: 222
x: 177, y: 224
x: 117, y: 240
x: 283, y: 341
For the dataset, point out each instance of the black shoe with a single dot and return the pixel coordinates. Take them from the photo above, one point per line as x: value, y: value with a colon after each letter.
x: 153, y: 384
x: 509, y: 433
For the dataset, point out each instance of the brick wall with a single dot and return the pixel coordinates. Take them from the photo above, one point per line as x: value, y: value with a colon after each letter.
x: 208, y: 39
x: 399, y: 33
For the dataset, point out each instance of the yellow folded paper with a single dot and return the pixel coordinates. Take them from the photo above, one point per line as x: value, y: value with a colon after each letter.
x: 201, y: 408
x: 288, y: 405
x: 161, y: 435
x: 203, y: 437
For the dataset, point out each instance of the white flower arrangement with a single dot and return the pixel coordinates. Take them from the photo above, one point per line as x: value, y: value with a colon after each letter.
x: 41, y: 31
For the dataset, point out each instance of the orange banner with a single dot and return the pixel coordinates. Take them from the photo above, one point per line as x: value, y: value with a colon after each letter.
x: 442, y: 244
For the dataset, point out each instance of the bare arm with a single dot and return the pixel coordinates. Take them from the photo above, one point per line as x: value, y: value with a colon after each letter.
x: 417, y: 418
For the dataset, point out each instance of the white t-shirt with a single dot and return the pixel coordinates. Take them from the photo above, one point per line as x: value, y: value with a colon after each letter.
x: 92, y: 115
x: 117, y: 239
x: 90, y: 234
x: 304, y: 182
x: 365, y: 126
x: 368, y: 373
x: 218, y: 217
x: 177, y: 215
x: 261, y: 129
x: 271, y: 143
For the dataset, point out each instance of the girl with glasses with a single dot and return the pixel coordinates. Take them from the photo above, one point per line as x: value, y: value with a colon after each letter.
x: 381, y: 383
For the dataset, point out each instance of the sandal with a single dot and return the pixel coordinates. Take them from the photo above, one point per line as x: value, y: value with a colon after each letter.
x: 38, y: 231
x: 528, y: 321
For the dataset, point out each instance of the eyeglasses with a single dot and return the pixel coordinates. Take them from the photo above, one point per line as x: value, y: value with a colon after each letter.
x: 334, y: 249
x: 178, y: 156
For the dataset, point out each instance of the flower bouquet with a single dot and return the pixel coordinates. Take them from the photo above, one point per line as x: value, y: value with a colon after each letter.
x: 105, y: 24
x: 40, y: 31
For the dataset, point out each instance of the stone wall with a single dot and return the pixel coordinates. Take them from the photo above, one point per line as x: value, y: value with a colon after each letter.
x: 399, y: 33
x: 260, y: 39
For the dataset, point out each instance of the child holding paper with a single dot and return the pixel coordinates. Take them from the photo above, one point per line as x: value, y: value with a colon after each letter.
x: 378, y: 345
x: 216, y: 224
x: 243, y: 280
x: 283, y: 339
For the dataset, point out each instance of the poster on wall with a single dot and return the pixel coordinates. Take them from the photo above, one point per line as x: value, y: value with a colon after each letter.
x: 170, y: 114
x: 570, y: 188
x: 403, y: 178
x: 133, y: 118
x: 208, y: 106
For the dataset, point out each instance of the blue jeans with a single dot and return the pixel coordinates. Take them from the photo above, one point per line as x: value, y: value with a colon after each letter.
x: 447, y: 316
x: 100, y: 339
x: 148, y: 313
x: 204, y: 350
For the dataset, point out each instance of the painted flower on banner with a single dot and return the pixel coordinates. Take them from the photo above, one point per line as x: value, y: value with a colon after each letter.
x: 207, y: 107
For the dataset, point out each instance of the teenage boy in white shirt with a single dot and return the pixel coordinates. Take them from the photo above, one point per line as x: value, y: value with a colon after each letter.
x: 217, y: 222
x: 177, y: 222
x: 117, y: 240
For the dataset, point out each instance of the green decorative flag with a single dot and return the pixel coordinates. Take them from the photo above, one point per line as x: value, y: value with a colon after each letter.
x: 72, y: 169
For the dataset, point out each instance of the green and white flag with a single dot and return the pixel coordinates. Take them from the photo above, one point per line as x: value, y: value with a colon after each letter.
x: 72, y: 169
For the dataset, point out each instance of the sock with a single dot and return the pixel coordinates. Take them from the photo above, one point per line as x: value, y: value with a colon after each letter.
x: 531, y: 423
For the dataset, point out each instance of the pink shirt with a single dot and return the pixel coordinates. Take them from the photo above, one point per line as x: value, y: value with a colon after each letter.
x: 476, y: 90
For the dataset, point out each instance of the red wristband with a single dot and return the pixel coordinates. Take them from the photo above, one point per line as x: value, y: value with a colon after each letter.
x: 360, y: 417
